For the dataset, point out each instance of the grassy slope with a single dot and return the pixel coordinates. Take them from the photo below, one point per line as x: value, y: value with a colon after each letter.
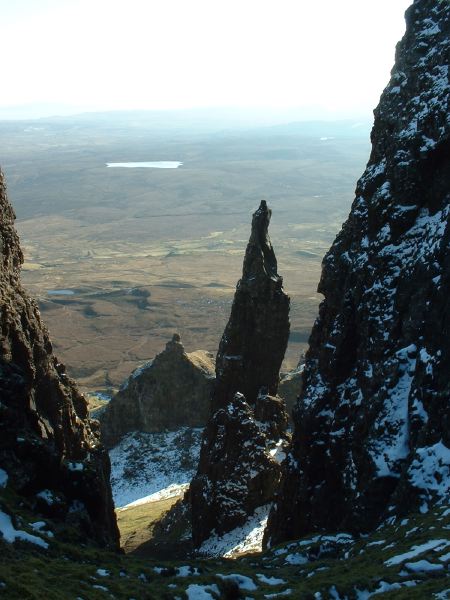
x: 136, y: 524
x: 68, y: 569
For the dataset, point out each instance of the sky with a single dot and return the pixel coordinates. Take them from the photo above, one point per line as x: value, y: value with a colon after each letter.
x: 330, y: 58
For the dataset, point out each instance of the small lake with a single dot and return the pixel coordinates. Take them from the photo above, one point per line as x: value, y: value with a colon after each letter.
x: 160, y: 164
x: 60, y: 292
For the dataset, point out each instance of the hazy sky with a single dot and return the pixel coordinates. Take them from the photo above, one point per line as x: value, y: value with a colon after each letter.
x: 332, y: 55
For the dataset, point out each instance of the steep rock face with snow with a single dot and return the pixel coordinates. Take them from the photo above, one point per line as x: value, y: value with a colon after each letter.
x: 49, y: 449
x: 237, y: 472
x: 254, y: 342
x: 172, y: 391
x: 372, y: 425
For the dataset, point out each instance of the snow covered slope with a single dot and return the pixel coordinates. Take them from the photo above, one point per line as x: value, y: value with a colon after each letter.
x: 153, y: 464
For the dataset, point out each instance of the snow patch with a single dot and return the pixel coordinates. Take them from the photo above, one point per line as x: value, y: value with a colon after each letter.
x: 430, y: 470
x: 279, y: 452
x: 243, y: 539
x: 102, y: 573
x: 202, y: 592
x: 296, y: 559
x: 242, y: 581
x: 168, y: 492
x: 75, y: 466
x: 415, y: 551
x: 269, y: 580
x: 390, y: 441
x: 10, y: 534
x: 47, y: 496
x: 421, y: 566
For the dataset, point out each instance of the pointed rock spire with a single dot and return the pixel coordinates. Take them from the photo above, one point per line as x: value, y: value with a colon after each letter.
x: 237, y: 471
x: 254, y: 342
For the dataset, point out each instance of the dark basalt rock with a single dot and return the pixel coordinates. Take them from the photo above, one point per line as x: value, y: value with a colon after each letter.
x: 254, y: 342
x: 270, y: 412
x: 238, y: 471
x: 48, y: 446
x: 372, y: 426
x: 172, y: 391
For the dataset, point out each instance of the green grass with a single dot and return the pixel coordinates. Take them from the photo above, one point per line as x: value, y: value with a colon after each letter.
x: 136, y: 524
x: 68, y: 569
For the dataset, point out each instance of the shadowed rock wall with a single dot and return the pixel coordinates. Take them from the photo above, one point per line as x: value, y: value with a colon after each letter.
x: 48, y: 446
x: 372, y: 426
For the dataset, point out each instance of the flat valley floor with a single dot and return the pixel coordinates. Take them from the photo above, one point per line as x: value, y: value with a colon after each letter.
x: 121, y: 258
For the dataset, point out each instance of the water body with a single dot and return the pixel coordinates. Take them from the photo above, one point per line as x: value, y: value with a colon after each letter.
x: 60, y: 292
x: 160, y: 164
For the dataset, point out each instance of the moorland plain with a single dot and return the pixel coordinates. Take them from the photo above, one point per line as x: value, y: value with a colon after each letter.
x: 147, y: 252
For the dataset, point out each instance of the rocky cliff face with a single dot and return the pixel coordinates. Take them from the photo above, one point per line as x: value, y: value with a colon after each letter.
x: 238, y: 470
x: 172, y: 391
x: 372, y: 426
x: 49, y: 449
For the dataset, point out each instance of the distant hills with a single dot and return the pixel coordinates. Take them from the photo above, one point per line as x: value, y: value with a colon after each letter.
x: 200, y: 120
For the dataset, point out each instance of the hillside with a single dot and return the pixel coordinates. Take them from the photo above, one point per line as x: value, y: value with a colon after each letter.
x: 405, y: 559
x: 142, y: 253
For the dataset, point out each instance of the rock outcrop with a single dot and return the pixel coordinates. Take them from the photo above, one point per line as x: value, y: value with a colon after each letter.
x: 49, y: 449
x: 254, y: 342
x: 236, y: 473
x: 238, y: 469
x: 172, y: 391
x: 372, y: 426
